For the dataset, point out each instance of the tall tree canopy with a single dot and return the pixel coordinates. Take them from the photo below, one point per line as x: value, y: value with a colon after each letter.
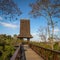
x: 49, y: 9
x: 46, y: 8
x: 9, y: 7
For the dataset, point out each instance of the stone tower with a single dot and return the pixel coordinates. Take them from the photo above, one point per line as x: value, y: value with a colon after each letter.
x: 25, y: 29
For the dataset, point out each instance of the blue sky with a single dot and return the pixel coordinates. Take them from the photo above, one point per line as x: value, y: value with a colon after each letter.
x: 11, y: 28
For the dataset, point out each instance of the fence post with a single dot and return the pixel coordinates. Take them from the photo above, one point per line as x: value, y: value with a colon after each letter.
x: 55, y: 56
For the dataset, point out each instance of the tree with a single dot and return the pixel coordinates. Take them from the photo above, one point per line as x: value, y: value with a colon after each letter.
x: 15, y: 36
x: 8, y: 8
x: 49, y: 9
x: 42, y: 33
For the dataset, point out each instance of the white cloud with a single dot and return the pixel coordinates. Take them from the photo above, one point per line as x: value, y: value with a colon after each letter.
x: 35, y: 37
x: 8, y: 25
x: 1, y: 18
x: 56, y: 30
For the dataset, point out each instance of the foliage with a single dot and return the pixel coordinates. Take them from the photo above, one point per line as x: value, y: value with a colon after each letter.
x: 46, y: 8
x: 9, y: 8
x: 49, y: 10
x: 56, y: 46
x: 7, y: 48
x: 47, y: 45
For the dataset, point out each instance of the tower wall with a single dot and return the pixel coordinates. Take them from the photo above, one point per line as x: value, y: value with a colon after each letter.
x: 25, y: 29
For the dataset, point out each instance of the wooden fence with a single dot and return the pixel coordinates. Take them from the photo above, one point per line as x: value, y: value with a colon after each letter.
x: 46, y: 54
x: 19, y: 54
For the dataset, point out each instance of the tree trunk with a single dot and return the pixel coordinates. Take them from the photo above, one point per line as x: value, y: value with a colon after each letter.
x: 48, y: 31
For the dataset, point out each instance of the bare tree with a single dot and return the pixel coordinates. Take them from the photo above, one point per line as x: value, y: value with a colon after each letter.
x: 9, y: 7
x: 42, y: 33
x: 49, y: 9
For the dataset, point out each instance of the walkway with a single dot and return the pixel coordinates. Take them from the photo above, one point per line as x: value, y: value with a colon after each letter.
x: 30, y: 54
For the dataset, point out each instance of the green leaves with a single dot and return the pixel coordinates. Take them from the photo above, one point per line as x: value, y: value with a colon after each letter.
x: 9, y: 9
x: 6, y: 48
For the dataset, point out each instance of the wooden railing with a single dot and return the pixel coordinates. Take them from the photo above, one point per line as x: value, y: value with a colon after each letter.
x: 19, y: 54
x: 16, y: 55
x: 46, y: 54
